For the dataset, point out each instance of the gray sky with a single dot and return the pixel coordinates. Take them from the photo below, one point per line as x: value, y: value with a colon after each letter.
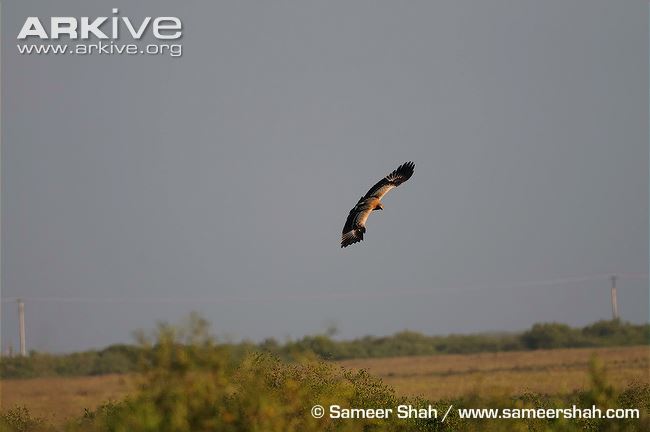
x: 140, y: 188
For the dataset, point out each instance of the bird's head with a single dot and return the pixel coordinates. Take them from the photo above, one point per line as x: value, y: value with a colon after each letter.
x: 379, y: 206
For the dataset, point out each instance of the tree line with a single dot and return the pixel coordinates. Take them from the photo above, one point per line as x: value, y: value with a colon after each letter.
x: 123, y: 358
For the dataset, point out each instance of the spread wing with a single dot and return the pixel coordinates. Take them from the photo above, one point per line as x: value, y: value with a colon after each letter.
x: 392, y: 180
x: 355, y: 224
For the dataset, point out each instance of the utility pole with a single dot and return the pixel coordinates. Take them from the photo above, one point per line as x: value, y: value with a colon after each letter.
x: 614, y: 299
x: 21, y: 323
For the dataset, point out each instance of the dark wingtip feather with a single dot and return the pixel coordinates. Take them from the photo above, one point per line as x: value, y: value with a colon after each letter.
x: 406, y: 168
x: 352, y: 237
x: 344, y: 245
x: 402, y: 173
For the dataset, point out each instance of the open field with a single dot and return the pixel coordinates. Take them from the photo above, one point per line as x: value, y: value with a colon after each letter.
x: 544, y: 371
x: 60, y: 398
x: 434, y: 377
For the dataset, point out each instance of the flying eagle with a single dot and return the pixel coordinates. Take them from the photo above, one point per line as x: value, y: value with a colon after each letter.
x: 355, y: 225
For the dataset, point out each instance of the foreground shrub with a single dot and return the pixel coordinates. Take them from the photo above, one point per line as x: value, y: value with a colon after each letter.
x: 189, y: 383
x: 19, y: 419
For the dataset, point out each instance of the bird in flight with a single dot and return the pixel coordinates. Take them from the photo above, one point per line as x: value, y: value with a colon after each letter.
x: 355, y: 225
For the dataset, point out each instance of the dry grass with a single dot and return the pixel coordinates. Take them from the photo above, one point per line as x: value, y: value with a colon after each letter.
x: 434, y: 377
x: 58, y: 399
x: 543, y: 371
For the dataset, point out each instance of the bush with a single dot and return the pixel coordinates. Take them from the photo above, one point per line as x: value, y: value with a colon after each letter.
x: 189, y: 383
x: 553, y: 335
x: 19, y: 419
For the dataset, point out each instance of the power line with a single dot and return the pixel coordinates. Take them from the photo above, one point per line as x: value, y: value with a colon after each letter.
x: 267, y: 297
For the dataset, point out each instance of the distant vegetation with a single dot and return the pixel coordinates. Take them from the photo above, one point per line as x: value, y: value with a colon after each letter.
x: 125, y: 358
x: 187, y: 382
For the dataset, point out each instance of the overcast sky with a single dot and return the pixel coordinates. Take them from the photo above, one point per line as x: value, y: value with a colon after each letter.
x: 140, y: 188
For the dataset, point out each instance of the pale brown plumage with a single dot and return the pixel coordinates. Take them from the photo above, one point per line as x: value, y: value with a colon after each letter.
x: 355, y: 225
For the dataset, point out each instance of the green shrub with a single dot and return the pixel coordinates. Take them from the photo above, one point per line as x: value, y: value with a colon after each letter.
x: 19, y: 419
x: 189, y: 383
x: 552, y: 335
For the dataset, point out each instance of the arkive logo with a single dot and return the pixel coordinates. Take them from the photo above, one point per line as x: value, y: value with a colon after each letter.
x: 104, y: 35
x: 113, y: 27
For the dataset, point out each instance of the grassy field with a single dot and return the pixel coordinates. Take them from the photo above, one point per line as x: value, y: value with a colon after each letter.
x: 434, y: 377
x: 544, y: 371
x: 57, y: 399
